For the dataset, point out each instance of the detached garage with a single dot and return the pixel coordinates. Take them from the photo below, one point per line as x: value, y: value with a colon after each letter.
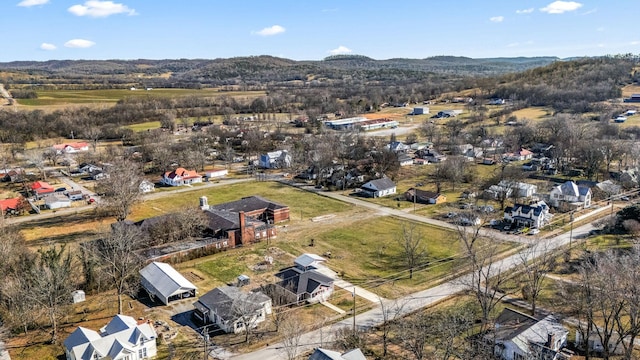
x: 163, y: 282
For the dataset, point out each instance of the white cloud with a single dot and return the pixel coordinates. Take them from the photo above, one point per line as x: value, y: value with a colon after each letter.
x: 634, y: 43
x: 96, y: 8
x: 340, y: 50
x: 559, y: 7
x: 79, y: 43
x: 515, y: 44
x: 29, y: 3
x: 270, y: 31
x: 592, y: 11
x: 496, y: 19
x: 47, y: 46
x: 524, y: 11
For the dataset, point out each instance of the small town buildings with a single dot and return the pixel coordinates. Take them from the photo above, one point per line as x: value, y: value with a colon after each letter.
x: 78, y: 296
x: 71, y: 148
x: 431, y: 155
x: 398, y: 146
x: 122, y: 338
x: 519, y: 336
x: 379, y: 187
x: 275, y: 160
x: 520, y: 155
x: 570, y: 195
x: 326, y: 354
x: 181, y: 176
x: 146, y: 186
x: 424, y: 196
x: 244, y: 221
x: 41, y: 188
x: 232, y: 309
x: 420, y: 110
x: 534, y: 215
x: 216, y: 173
x: 162, y: 282
x: 405, y: 160
x: 633, y: 98
x: 506, y: 188
x: 56, y: 201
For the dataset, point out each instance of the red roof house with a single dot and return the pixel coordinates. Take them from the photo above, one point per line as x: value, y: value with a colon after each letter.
x: 71, y: 148
x: 181, y: 176
x: 41, y: 188
x: 11, y: 205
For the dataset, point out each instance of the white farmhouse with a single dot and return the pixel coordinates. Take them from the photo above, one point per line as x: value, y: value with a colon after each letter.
x: 379, y: 187
x: 571, y: 195
x: 533, y: 215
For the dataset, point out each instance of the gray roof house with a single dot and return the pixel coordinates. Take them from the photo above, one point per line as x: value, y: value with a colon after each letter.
x: 122, y: 338
x: 303, y: 285
x: 163, y: 282
x: 571, y: 195
x: 520, y: 336
x: 325, y: 354
x: 532, y: 215
x: 230, y: 308
x: 379, y: 187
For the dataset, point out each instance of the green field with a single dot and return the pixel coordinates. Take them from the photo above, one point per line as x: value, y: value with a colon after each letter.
x: 109, y: 96
x: 299, y: 201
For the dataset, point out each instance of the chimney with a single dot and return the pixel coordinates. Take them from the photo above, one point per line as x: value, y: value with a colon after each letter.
x: 242, y: 226
x: 550, y: 341
x: 204, y: 203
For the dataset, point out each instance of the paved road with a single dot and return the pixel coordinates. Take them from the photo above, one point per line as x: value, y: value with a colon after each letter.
x: 406, y: 304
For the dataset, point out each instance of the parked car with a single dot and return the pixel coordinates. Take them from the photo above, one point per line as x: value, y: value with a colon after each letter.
x: 61, y: 189
x: 534, y: 231
x: 624, y: 198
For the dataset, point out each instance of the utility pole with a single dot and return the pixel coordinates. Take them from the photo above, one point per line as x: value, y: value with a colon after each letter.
x: 571, y: 231
x: 354, y: 311
x: 205, y: 337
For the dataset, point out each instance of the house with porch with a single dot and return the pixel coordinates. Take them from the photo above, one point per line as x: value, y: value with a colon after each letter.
x: 123, y: 338
x: 570, y: 196
x: 307, y: 280
x: 181, y: 176
x: 232, y: 309
x: 379, y: 187
x: 534, y: 215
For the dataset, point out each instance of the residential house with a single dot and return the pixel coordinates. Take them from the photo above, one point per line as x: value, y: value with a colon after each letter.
x: 54, y: 201
x: 13, y: 206
x: 216, y: 173
x: 181, y: 176
x: 244, y: 221
x: 418, y: 161
x: 506, y: 188
x: 398, y: 146
x: 420, y: 111
x: 520, y: 155
x: 325, y: 354
x: 446, y: 114
x: 405, y: 160
x: 86, y: 168
x: 275, y: 160
x: 163, y: 282
x: 431, y: 155
x: 122, y: 338
x: 232, y: 309
x: 146, y: 186
x: 535, y: 215
x: 306, y: 281
x: 41, y: 188
x: 421, y: 145
x: 570, y: 195
x: 379, y: 187
x: 609, y: 188
x: 630, y: 178
x: 496, y: 101
x: 519, y: 336
x: 71, y: 148
x: 12, y: 175
x: 633, y: 98
x: 75, y: 195
x: 424, y: 197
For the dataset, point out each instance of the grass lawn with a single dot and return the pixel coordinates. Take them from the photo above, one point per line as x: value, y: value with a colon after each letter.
x: 299, y: 201
x: 149, y: 125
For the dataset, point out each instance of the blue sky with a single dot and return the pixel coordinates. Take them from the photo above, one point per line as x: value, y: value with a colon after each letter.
x: 312, y: 30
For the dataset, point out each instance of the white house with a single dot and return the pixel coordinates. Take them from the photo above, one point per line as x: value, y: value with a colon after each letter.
x: 181, y: 176
x: 146, y: 186
x: 71, y: 148
x: 163, y: 282
x: 379, y: 187
x: 405, y: 160
x: 534, y: 215
x: 519, y: 336
x: 522, y: 189
x: 216, y: 173
x: 522, y: 154
x: 275, y: 160
x: 123, y: 338
x: 231, y: 309
x: 326, y: 354
x: 570, y: 194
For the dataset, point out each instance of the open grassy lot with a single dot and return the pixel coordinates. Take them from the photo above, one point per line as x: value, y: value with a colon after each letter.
x: 301, y: 203
x: 60, y: 97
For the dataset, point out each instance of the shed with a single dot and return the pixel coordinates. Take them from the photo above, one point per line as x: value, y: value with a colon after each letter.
x: 56, y: 202
x: 75, y: 195
x: 163, y: 282
x: 77, y: 296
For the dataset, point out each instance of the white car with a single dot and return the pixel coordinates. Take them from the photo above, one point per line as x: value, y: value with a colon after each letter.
x: 534, y: 231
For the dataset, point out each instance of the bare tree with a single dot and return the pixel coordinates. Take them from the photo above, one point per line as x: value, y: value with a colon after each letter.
x: 247, y: 311
x: 391, y: 310
x: 50, y: 284
x: 535, y: 263
x: 51, y: 155
x: 93, y: 133
x: 291, y: 331
x: 116, y: 254
x: 412, y: 247
x: 121, y: 188
x: 413, y: 333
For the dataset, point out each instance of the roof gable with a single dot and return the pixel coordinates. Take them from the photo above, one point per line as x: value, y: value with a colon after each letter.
x: 165, y: 279
x: 380, y: 184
